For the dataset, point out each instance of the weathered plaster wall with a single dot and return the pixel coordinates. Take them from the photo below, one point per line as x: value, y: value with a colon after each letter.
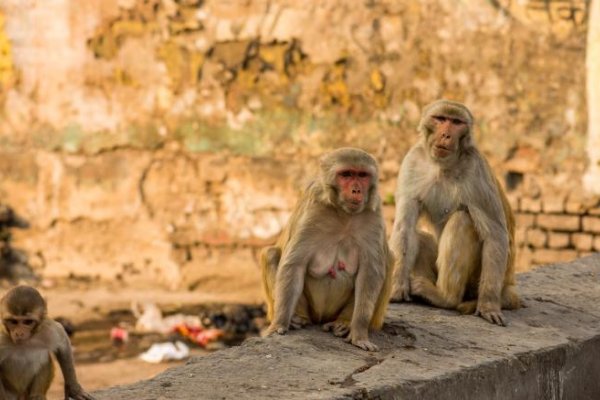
x: 153, y: 139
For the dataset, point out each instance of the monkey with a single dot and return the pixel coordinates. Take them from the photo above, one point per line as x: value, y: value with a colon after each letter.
x: 468, y: 262
x: 331, y: 265
x: 27, y: 340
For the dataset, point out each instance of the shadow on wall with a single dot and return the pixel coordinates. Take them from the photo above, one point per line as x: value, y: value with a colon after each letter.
x: 14, y: 263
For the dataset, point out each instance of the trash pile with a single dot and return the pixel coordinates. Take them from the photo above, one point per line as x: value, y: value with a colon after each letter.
x: 175, y: 336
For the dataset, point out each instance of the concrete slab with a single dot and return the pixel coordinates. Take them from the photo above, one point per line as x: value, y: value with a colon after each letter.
x: 550, y: 350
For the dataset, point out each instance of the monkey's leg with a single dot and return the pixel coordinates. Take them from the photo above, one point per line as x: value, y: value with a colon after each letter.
x: 510, y: 301
x: 424, y: 274
x: 510, y: 298
x: 459, y: 258
x: 269, y: 260
x: 41, y: 382
x: 301, y: 316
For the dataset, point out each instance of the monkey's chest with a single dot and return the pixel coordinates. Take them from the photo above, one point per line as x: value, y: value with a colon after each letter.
x: 20, y: 367
x: 440, y: 202
x: 332, y: 259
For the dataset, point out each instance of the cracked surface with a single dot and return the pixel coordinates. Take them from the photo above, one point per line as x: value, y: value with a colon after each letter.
x: 550, y: 349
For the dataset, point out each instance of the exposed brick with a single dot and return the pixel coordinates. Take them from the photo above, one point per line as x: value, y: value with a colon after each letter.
x: 554, y: 204
x: 558, y: 240
x: 559, y: 222
x: 585, y: 253
x: 579, y: 203
x: 596, y: 244
x: 547, y: 256
x: 531, y: 205
x: 591, y: 224
x: 524, y: 220
x: 520, y: 235
x: 582, y: 241
x: 574, y: 207
x: 536, y: 237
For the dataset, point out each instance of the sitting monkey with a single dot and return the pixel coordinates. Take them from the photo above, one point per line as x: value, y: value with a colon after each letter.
x: 331, y: 264
x: 468, y: 264
x: 27, y: 340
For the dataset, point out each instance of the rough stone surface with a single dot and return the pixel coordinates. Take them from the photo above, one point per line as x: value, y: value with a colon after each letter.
x: 550, y: 350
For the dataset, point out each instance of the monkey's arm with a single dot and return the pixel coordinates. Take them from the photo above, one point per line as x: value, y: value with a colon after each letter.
x: 64, y: 356
x: 404, y: 240
x: 369, y: 281
x: 289, y: 282
x: 490, y: 222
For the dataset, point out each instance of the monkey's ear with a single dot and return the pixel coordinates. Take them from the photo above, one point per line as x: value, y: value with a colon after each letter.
x: 374, y: 201
x: 467, y: 141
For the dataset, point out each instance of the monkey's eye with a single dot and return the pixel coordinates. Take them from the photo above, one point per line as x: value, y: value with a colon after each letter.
x: 28, y: 322
x: 10, y: 321
x: 457, y: 121
x: 363, y: 174
x: 440, y: 118
x: 345, y: 174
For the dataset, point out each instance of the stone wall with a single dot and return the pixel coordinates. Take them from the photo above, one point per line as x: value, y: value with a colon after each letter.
x: 166, y: 141
x: 555, y: 228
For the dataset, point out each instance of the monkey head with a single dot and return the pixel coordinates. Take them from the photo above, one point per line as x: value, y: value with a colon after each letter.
x: 446, y: 128
x: 349, y: 178
x: 22, y: 310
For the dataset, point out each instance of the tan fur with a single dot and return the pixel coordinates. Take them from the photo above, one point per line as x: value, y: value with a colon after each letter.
x: 473, y: 247
x: 320, y: 233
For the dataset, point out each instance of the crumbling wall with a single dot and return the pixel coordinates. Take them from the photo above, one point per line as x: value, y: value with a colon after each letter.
x: 153, y: 139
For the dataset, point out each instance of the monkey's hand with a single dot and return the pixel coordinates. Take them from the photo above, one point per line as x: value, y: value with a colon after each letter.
x: 339, y: 328
x: 273, y: 329
x: 362, y: 342
x: 491, y: 313
x: 77, y: 393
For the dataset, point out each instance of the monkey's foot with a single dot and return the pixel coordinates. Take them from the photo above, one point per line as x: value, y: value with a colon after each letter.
x: 400, y: 293
x: 467, y: 307
x: 273, y: 329
x: 338, y: 328
x: 298, y: 322
x: 82, y: 395
x: 491, y: 314
x: 364, y: 344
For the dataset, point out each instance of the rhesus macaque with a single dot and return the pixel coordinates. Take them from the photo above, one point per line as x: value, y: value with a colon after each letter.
x: 331, y: 264
x: 468, y: 264
x: 27, y: 339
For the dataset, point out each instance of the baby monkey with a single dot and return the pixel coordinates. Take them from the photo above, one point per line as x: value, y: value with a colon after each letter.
x: 27, y: 339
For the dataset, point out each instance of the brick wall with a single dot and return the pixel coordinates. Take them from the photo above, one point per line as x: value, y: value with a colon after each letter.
x: 555, y: 229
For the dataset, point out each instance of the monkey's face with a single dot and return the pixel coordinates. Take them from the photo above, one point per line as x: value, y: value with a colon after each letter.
x: 446, y: 134
x: 20, y: 328
x: 353, y: 188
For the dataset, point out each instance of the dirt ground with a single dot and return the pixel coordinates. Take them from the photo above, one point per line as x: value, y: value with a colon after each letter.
x: 94, y: 309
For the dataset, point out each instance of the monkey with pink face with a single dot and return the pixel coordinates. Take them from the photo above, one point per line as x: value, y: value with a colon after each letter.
x: 331, y: 264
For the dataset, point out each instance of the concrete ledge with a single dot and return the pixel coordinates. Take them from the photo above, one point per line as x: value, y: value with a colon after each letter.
x: 550, y: 350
